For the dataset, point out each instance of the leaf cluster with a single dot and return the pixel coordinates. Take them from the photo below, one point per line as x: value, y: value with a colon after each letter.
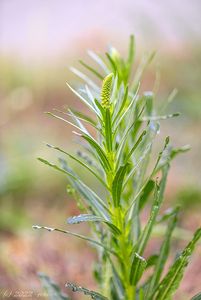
x: 119, y: 155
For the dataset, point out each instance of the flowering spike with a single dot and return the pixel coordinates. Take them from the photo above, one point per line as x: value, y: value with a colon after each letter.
x: 106, y: 90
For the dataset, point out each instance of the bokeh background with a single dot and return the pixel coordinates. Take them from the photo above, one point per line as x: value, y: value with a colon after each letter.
x: 39, y: 41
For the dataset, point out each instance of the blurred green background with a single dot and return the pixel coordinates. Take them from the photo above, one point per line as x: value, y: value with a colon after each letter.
x: 39, y: 41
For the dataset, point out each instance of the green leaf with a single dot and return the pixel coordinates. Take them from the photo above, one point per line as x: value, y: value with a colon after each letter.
x: 90, y: 82
x: 137, y: 268
x: 131, y: 56
x: 120, y: 149
x: 89, y: 195
x: 171, y: 281
x: 154, y: 171
x: 99, y: 61
x: 147, y: 59
x: 118, y: 184
x: 146, y: 193
x: 84, y: 117
x: 97, y: 74
x: 176, y: 151
x: 112, y: 63
x: 80, y: 162
x: 85, y: 101
x: 83, y: 130
x: 164, y: 252
x: 83, y: 218
x: 117, y: 283
x: 53, y: 290
x: 152, y: 260
x: 156, y: 118
x: 92, y: 294
x: 118, y: 113
x: 128, y: 108
x: 158, y: 198
x: 99, y: 151
x: 135, y: 168
x: 82, y: 237
x: 108, y: 130
x: 135, y: 145
x: 92, y: 218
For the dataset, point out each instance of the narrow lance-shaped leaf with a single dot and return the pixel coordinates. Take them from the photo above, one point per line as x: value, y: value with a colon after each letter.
x: 137, y: 268
x: 97, y: 148
x: 156, y: 118
x: 159, y: 191
x: 80, y: 162
x: 89, y: 104
x: 119, y: 288
x: 96, y: 73
x: 95, y: 202
x: 92, y: 218
x: 84, y: 77
x: 131, y: 56
x: 145, y: 62
x: 164, y: 252
x: 98, y: 60
x: 82, y: 237
x: 171, y: 281
x: 154, y: 172
x: 118, y: 184
x: 118, y: 113
x: 135, y: 145
x: 108, y: 130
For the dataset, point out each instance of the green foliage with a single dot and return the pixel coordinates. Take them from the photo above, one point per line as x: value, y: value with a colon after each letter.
x: 119, y: 156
